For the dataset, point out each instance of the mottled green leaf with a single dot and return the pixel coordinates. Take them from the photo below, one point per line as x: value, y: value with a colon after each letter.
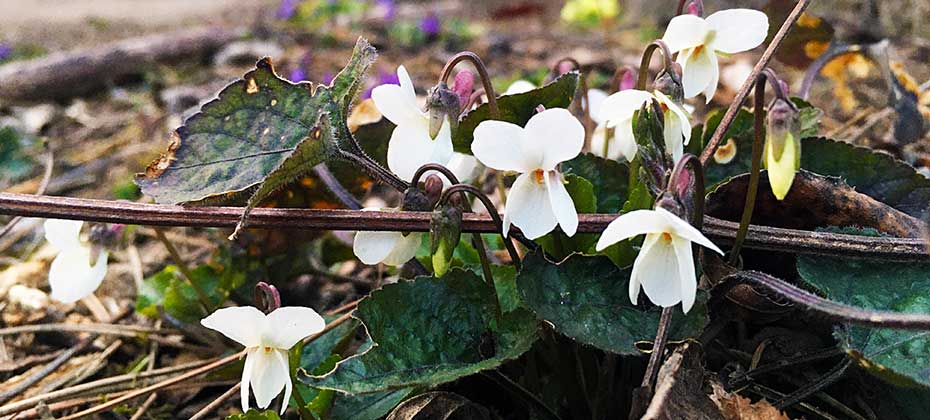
x: 169, y: 289
x: 445, y: 329
x: 517, y: 108
x: 587, y: 299
x: 15, y: 160
x: 261, y: 133
x: 898, y: 356
x: 609, y: 178
x: 368, y: 406
x: 505, y: 282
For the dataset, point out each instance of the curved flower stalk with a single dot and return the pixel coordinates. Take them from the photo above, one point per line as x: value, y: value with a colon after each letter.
x: 537, y: 201
x: 664, y: 267
x: 410, y: 146
x: 72, y: 276
x: 267, y: 339
x: 698, y: 41
x: 617, y: 111
x: 391, y: 248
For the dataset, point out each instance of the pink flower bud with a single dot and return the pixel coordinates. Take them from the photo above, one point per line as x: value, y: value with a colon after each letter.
x: 464, y: 85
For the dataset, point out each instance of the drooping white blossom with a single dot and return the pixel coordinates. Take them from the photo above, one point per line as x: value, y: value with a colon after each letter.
x: 617, y: 111
x: 664, y: 267
x: 391, y: 248
x: 75, y: 273
x: 267, y: 339
x: 537, y: 201
x: 698, y: 41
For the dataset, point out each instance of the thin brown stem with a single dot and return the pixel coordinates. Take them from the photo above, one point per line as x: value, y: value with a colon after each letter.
x: 743, y: 92
x: 209, y: 408
x: 759, y: 237
x: 754, y: 171
x: 144, y: 407
x: 492, y: 211
x: 482, y: 73
x: 658, y: 350
x: 588, y: 121
x: 647, y: 58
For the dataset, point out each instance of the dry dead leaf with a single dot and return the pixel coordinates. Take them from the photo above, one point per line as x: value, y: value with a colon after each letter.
x: 736, y: 407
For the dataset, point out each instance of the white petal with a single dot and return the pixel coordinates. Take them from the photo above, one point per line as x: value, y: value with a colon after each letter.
x: 596, y: 99
x: 71, y: 276
x: 684, y: 117
x: 373, y: 247
x: 288, y: 386
x: 269, y: 374
x: 528, y: 207
x: 737, y: 30
x: 411, y: 147
x: 463, y: 166
x: 557, y: 133
x: 656, y: 267
x: 684, y: 229
x: 619, y: 108
x: 685, y: 31
x: 628, y: 225
x: 398, y: 103
x: 242, y: 324
x: 599, y: 137
x: 625, y: 140
x: 687, y: 277
x: 289, y: 324
x: 405, y: 249
x: 500, y: 145
x: 247, y: 377
x: 699, y: 69
x: 519, y: 86
x: 674, y: 143
x: 63, y: 234
x: 562, y: 205
x: 711, y: 88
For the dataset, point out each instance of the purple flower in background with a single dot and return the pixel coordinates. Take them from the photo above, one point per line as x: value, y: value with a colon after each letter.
x: 297, y: 75
x: 387, y: 9
x: 328, y: 77
x: 384, y: 78
x: 430, y: 25
x: 287, y: 8
x: 627, y: 81
x: 5, y: 51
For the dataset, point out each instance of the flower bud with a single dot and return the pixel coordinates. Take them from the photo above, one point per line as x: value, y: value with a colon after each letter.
x: 106, y: 235
x: 668, y: 82
x: 433, y: 188
x: 627, y: 81
x: 695, y: 7
x: 444, y: 233
x: 782, y: 151
x: 669, y: 202
x: 267, y: 297
x: 442, y: 103
x: 415, y: 200
x: 464, y: 85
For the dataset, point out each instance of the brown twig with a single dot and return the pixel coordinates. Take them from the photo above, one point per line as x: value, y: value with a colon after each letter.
x: 750, y: 81
x: 213, y: 405
x: 759, y: 237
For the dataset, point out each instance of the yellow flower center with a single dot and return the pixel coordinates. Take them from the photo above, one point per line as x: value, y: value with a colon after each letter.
x: 539, y: 174
x: 267, y: 349
x: 666, y: 237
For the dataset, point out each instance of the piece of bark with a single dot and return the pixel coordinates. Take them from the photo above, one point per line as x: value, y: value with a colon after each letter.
x: 680, y: 393
x: 73, y: 73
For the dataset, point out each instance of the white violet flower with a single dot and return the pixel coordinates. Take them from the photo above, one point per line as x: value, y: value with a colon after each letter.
x: 519, y: 86
x: 73, y: 274
x: 617, y: 112
x: 538, y: 200
x: 410, y: 146
x: 391, y: 248
x: 664, y: 267
x: 267, y: 339
x: 698, y: 41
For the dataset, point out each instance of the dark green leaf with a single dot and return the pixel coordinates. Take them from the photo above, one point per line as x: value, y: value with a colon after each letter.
x: 609, y: 178
x: 260, y: 134
x: 517, y: 109
x: 587, y: 299
x: 15, y: 160
x: 367, y: 406
x: 901, y: 357
x: 170, y: 290
x: 447, y: 328
x: 255, y: 415
x: 505, y: 282
x: 439, y: 405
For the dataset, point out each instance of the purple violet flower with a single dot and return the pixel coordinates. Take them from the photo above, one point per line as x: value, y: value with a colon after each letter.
x: 5, y: 51
x: 384, y: 78
x: 387, y: 8
x: 430, y: 25
x: 287, y: 9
